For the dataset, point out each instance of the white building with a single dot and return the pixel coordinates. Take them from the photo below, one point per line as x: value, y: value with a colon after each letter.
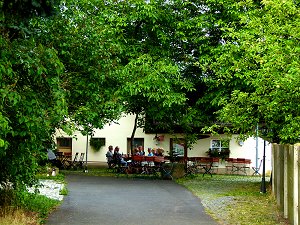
x: 118, y: 134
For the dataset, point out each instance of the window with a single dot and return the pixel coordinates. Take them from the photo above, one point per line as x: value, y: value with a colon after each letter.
x: 64, y: 142
x: 177, y: 146
x: 219, y: 145
x: 219, y: 148
x: 136, y: 142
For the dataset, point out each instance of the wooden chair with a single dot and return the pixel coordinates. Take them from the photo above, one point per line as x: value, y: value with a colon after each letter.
x: 191, y: 166
x: 79, y: 163
x: 66, y: 159
x: 166, y: 170
x: 257, y: 169
x: 206, y: 164
x: 121, y: 169
x: 72, y: 163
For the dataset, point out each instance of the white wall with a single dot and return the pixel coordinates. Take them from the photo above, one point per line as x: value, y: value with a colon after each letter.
x: 117, y: 134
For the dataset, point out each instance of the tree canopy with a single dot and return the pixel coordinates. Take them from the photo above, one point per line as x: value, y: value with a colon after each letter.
x: 179, y: 63
x: 261, y: 61
x: 32, y: 105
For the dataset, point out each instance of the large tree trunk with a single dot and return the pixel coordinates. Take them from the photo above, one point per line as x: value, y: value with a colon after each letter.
x: 133, y: 133
x: 185, y: 154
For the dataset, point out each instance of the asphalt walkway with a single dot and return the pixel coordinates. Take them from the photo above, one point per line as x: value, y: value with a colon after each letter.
x: 119, y: 201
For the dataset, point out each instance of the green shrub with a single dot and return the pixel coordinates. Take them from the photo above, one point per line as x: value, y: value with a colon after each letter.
x: 35, y: 203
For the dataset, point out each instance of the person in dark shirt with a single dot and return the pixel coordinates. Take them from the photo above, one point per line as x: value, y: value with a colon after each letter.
x: 118, y: 157
x: 109, y: 156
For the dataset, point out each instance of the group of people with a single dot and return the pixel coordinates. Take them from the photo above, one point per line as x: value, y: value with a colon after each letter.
x: 114, y: 157
x: 151, y: 151
x: 155, y: 152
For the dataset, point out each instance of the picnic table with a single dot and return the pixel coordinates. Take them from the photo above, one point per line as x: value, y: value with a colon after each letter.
x: 147, y: 165
x: 237, y: 165
x: 204, y: 165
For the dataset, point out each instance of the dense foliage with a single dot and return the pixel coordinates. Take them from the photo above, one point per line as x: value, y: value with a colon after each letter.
x: 32, y: 105
x: 182, y: 64
x: 260, y: 62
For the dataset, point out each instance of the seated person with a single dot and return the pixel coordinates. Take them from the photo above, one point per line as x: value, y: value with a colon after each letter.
x: 118, y: 157
x: 109, y: 156
x: 141, y: 150
x: 154, y: 152
x: 150, y: 153
x: 136, y: 151
x: 52, y: 159
x: 160, y: 152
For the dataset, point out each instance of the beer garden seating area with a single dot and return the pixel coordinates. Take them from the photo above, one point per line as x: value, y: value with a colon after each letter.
x: 163, y: 166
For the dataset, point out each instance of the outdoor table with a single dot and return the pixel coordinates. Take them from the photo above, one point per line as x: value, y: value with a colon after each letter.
x: 229, y: 165
x: 207, y: 164
x: 150, y: 165
x: 136, y: 164
x: 240, y: 165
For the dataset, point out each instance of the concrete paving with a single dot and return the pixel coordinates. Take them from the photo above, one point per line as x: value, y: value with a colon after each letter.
x: 120, y: 201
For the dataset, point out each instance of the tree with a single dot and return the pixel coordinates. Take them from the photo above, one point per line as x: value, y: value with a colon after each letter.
x: 153, y: 87
x: 261, y: 62
x: 88, y: 48
x: 109, y: 66
x: 150, y: 80
x: 32, y: 105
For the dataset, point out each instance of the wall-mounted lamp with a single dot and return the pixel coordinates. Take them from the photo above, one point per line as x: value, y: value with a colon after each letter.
x: 241, y: 143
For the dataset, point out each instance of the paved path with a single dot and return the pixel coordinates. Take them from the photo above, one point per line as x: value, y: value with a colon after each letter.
x: 120, y: 201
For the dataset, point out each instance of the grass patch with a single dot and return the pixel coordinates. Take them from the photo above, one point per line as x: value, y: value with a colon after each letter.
x: 18, y: 207
x: 235, y: 199
x: 22, y: 207
x: 64, y: 191
x: 15, y: 216
x: 38, y: 204
x: 104, y: 172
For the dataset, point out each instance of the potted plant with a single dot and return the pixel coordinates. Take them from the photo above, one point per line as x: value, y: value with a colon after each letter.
x: 217, y: 153
x: 213, y: 152
x: 225, y: 152
x: 97, y: 143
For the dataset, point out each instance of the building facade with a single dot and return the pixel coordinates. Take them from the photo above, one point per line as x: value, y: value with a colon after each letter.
x: 118, y: 134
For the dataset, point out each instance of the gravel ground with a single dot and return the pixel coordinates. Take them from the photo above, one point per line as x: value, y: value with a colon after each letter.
x: 218, y: 203
x: 49, y: 188
x: 221, y: 194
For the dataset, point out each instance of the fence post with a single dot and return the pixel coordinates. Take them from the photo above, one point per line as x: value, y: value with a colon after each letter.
x: 295, y: 206
x: 285, y: 182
